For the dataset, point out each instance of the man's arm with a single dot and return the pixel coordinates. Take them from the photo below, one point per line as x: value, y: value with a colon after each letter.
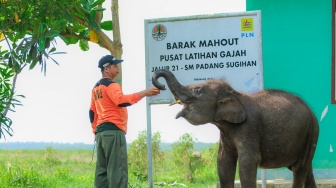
x: 116, y: 95
x: 149, y: 92
x: 93, y: 115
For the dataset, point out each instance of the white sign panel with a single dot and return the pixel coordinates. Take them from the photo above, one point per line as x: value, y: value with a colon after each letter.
x: 199, y: 48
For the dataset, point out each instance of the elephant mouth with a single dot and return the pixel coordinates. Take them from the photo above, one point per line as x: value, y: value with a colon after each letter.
x: 176, y: 102
x: 182, y: 112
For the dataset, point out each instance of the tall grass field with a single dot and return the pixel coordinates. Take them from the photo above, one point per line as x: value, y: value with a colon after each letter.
x: 181, y: 166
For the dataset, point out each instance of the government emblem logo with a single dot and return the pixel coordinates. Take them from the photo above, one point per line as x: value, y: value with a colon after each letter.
x: 159, y: 32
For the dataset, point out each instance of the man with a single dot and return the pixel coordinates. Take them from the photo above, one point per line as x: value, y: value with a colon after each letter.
x: 108, y: 116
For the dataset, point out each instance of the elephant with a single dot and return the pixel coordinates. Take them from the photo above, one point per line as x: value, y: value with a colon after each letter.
x: 268, y: 129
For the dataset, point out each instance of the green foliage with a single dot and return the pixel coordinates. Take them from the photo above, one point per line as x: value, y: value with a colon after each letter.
x: 202, y: 168
x: 71, y: 168
x: 8, y: 99
x: 138, y: 156
x: 50, y: 158
x: 107, y: 25
x: 210, y: 154
x: 158, y: 155
x: 184, y: 157
x: 31, y: 26
x: 28, y: 168
x: 207, y: 171
x: 28, y: 32
x: 5, y: 94
x: 21, y: 175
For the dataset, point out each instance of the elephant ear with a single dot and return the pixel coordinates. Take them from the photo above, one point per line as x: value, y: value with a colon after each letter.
x: 230, y: 109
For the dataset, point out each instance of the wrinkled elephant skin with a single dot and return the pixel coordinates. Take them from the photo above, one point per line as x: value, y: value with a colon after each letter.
x: 268, y: 129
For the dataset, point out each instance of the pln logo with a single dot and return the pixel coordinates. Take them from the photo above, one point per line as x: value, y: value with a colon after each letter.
x: 159, y: 32
x: 247, y: 27
x: 247, y: 24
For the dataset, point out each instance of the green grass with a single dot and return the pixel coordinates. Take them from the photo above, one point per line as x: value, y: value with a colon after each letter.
x: 72, y: 169
x: 45, y: 168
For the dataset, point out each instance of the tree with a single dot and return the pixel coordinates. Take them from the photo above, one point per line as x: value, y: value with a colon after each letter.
x: 7, y: 98
x: 28, y: 32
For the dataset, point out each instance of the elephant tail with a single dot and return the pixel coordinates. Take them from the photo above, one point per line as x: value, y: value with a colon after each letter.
x: 312, y: 138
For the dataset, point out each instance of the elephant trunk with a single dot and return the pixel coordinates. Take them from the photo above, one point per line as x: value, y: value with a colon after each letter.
x: 179, y: 91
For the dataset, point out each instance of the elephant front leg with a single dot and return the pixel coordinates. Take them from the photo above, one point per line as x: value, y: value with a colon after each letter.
x: 248, y: 166
x: 226, y: 165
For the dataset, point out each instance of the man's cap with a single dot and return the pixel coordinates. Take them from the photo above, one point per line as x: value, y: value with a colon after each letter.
x: 108, y: 59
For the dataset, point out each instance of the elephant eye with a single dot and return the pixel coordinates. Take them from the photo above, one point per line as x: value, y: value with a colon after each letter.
x: 197, y: 91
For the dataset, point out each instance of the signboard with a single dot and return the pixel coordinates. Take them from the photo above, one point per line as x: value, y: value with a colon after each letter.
x: 199, y: 48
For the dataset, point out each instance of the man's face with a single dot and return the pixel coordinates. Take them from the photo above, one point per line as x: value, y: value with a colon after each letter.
x: 112, y: 71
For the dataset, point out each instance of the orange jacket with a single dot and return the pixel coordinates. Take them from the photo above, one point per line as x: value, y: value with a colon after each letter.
x: 108, y: 104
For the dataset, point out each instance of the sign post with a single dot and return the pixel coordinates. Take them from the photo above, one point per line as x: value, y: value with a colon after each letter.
x: 198, y: 48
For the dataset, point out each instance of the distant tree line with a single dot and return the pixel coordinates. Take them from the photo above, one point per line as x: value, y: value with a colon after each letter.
x: 199, y: 146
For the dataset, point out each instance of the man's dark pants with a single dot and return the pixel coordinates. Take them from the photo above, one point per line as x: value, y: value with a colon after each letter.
x: 111, y: 168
